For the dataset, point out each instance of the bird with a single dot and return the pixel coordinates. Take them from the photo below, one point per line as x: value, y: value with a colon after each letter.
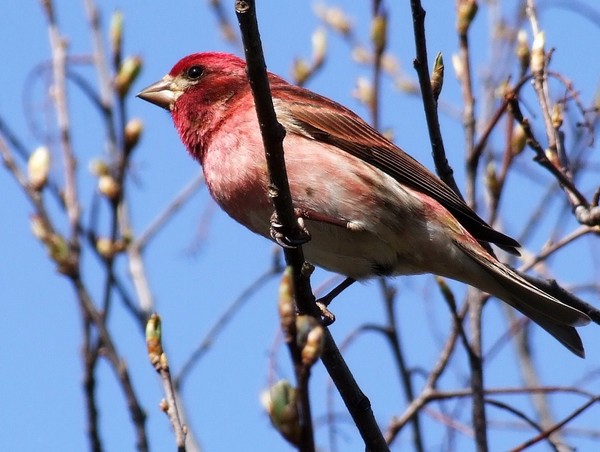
x: 370, y: 208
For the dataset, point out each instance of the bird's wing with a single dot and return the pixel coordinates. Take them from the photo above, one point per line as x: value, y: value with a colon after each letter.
x: 329, y: 122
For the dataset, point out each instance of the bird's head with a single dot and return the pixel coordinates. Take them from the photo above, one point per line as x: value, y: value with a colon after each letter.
x: 197, y: 92
x: 204, y: 77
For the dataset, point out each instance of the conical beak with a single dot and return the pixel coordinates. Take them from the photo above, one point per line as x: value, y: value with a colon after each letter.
x: 160, y: 93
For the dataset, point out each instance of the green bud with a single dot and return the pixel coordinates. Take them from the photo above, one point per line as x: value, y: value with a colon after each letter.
x: 437, y: 75
x: 467, y: 9
x: 286, y: 305
x: 128, y: 73
x: 116, y: 32
x: 280, y: 403
x: 154, y: 342
x: 379, y: 33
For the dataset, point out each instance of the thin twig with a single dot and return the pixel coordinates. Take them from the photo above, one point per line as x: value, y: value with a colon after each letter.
x: 110, y: 352
x: 394, y: 339
x: 168, y: 212
x: 429, y: 388
x: 442, y: 166
x: 545, y: 434
x: 219, y: 325
x: 59, y: 56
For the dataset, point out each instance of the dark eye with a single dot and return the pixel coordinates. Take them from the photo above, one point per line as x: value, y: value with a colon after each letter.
x: 195, y: 72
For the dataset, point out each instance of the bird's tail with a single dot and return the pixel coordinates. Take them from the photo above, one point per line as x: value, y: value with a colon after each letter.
x: 552, y: 314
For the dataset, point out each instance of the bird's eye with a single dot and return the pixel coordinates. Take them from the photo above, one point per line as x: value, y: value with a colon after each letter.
x: 195, y: 72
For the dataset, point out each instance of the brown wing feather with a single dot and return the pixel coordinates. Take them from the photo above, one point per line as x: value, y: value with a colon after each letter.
x: 340, y: 127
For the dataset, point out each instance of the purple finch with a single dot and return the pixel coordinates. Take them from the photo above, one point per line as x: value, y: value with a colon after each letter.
x: 370, y: 208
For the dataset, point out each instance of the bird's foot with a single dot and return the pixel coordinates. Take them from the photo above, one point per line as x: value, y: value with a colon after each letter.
x: 283, y: 238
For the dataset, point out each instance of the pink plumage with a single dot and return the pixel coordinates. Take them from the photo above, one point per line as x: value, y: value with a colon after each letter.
x: 370, y: 208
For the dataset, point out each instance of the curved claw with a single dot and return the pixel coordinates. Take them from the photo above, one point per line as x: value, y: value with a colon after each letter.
x: 277, y: 234
x: 326, y: 314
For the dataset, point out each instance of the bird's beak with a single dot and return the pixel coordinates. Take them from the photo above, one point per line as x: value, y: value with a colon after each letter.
x: 160, y: 93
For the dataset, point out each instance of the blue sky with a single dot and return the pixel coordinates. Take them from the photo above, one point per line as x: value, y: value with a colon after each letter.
x: 43, y: 407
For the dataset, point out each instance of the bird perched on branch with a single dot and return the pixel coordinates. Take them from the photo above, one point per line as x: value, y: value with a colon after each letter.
x: 370, y: 209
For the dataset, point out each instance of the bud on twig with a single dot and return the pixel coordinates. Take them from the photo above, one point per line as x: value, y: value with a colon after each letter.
x: 116, y: 32
x: 280, y: 403
x: 319, y: 46
x: 538, y: 57
x: 364, y: 91
x: 132, y: 133
x: 104, y: 246
x: 379, y: 33
x: 39, y: 228
x: 467, y: 9
x: 300, y: 71
x: 38, y: 167
x: 336, y: 18
x: 108, y: 248
x: 309, y: 338
x: 58, y: 248
x: 557, y: 116
x: 437, y: 76
x: 128, y: 73
x: 518, y: 140
x: 98, y: 167
x: 491, y: 179
x: 523, y: 53
x: 154, y: 342
x: 109, y: 187
x: 286, y: 305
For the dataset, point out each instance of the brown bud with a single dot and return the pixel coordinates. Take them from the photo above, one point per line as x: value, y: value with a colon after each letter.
x: 132, y: 133
x: 557, y: 116
x: 309, y: 338
x: 163, y: 405
x: 109, y: 187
